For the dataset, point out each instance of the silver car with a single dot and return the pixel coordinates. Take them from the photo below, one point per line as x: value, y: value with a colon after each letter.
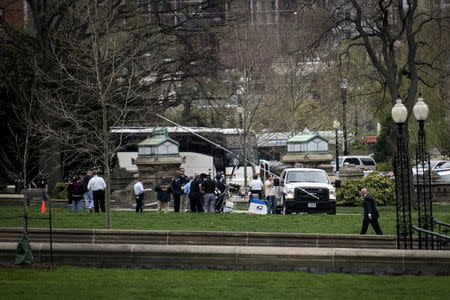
x: 365, y: 163
x: 445, y: 176
x: 434, y: 164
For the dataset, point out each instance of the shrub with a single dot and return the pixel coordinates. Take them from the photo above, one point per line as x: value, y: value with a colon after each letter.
x: 384, y: 166
x: 381, y: 188
x: 7, y: 191
x: 60, y: 190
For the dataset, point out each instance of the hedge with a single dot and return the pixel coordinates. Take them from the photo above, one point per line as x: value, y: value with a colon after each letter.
x: 60, y: 190
x: 381, y: 188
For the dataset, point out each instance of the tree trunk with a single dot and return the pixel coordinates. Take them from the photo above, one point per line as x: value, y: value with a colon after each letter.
x: 106, y: 164
x: 108, y: 198
x: 244, y: 153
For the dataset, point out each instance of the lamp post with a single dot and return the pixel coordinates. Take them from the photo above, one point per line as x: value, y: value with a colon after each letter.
x: 336, y: 126
x: 402, y: 189
x: 344, y: 86
x: 423, y: 183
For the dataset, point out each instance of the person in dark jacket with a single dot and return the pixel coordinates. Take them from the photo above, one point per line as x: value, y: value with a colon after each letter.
x: 178, y: 183
x: 163, y: 190
x: 209, y: 188
x: 220, y: 192
x: 75, y: 191
x: 41, y: 182
x: 195, y: 195
x: 17, y: 184
x: 184, y: 198
x: 370, y: 213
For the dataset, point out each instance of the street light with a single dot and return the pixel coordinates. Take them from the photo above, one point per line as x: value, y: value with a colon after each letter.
x: 420, y: 110
x: 344, y: 86
x: 423, y: 187
x: 399, y: 113
x: 336, y: 126
x: 402, y: 188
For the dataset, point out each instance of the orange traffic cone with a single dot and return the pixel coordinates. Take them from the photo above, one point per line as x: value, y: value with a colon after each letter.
x: 43, y: 210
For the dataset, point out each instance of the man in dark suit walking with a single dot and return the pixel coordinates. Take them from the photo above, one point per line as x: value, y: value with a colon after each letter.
x: 370, y: 213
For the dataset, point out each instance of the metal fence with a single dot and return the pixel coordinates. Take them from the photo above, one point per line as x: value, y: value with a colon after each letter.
x: 440, y: 239
x: 26, y: 218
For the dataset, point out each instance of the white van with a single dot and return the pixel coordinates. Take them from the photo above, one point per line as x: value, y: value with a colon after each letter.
x: 365, y: 163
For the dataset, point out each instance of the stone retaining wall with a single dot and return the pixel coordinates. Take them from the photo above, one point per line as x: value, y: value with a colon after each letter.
x: 33, y: 197
x: 316, y: 260
x: 225, y: 238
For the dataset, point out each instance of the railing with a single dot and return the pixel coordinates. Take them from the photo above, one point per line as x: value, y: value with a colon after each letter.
x: 440, y: 238
x: 26, y: 218
x: 443, y: 229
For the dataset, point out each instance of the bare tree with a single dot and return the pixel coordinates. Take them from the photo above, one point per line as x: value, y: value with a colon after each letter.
x: 248, y: 77
x: 390, y: 33
x: 102, y: 64
x: 19, y: 151
x: 110, y: 70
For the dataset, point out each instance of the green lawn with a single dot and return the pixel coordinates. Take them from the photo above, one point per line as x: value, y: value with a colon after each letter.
x: 348, y: 220
x: 88, y: 283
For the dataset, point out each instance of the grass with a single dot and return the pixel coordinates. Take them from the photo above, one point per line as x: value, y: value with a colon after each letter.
x: 88, y: 283
x: 348, y: 220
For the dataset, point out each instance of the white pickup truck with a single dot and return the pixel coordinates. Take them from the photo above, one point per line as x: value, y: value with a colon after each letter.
x: 307, y: 190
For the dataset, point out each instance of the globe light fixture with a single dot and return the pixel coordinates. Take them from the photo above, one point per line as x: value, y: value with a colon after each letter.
x: 336, y: 124
x: 344, y: 84
x: 399, y: 112
x: 420, y: 110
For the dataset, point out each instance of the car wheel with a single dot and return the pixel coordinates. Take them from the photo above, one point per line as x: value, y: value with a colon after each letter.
x: 286, y: 210
x: 279, y: 210
x: 332, y: 210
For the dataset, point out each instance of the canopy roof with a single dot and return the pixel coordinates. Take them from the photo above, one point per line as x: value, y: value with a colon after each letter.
x: 160, y: 136
x: 304, y: 138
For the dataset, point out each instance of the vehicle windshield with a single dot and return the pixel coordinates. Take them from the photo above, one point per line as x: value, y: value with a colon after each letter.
x: 307, y: 176
x: 444, y: 166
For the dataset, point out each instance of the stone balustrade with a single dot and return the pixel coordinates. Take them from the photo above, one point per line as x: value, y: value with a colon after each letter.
x: 209, y: 238
x: 316, y: 260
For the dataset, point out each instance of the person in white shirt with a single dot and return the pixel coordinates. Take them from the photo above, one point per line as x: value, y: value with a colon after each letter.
x: 139, y: 194
x: 270, y: 195
x: 256, y: 187
x: 97, y: 185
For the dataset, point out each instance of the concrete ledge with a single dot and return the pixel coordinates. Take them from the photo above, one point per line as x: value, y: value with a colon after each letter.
x: 12, y: 199
x: 211, y: 238
x: 316, y: 260
x: 12, y: 196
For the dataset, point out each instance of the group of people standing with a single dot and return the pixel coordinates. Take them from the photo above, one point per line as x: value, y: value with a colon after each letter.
x: 190, y: 194
x: 91, y: 187
x: 269, y: 188
x: 197, y: 193
x: 200, y: 193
